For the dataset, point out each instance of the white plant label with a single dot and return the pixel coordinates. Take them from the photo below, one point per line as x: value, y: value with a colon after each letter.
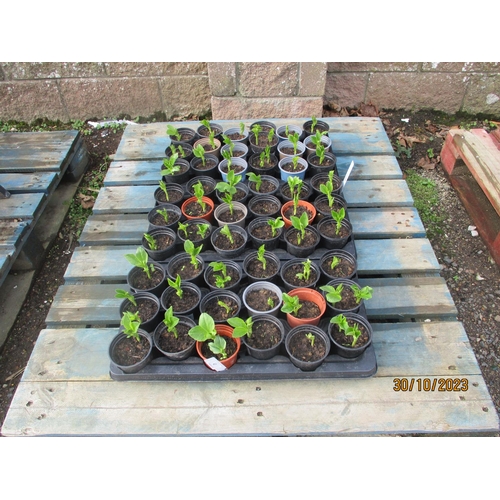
x: 215, y: 364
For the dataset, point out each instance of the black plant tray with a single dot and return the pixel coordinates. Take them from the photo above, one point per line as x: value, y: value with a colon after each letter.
x: 249, y: 368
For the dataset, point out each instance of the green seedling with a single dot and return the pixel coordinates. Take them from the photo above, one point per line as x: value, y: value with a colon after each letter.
x: 171, y: 321
x: 333, y: 294
x: 350, y: 331
x: 229, y: 158
x: 163, y: 187
x: 300, y: 224
x: 338, y: 216
x: 294, y: 139
x: 260, y: 256
x: 207, y: 125
x: 176, y: 285
x: 316, y: 138
x: 265, y: 156
x: 291, y: 305
x: 276, y: 224
x: 140, y: 259
x: 183, y: 226
x: 295, y: 163
x: 211, y: 139
x: 227, y: 233
x: 228, y: 142
x: 242, y: 128
x: 310, y: 336
x: 199, y: 152
x: 222, y: 304
x: 320, y: 152
x: 270, y: 302
x: 360, y: 294
x: 199, y: 192
x: 170, y: 167
x: 123, y: 294
x: 327, y: 189
x: 257, y: 179
x: 335, y: 262
x: 205, y: 330
x: 223, y: 278
x: 164, y: 213
x: 295, y: 185
x: 306, y: 272
x: 173, y: 132
x: 430, y: 153
x: 151, y: 241
x: 131, y: 323
x: 270, y: 136
x: 314, y: 123
x: 193, y: 251
x: 241, y: 327
x: 181, y: 151
x: 202, y: 229
x: 256, y: 131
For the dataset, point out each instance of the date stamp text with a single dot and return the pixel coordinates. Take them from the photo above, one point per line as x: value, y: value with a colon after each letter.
x: 431, y: 384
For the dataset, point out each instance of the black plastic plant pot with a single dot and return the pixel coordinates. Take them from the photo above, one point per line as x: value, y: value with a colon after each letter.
x: 270, y: 186
x: 163, y: 340
x: 346, y: 351
x: 209, y: 170
x: 318, y: 179
x: 232, y: 268
x: 194, y: 235
x: 180, y: 177
x: 188, y: 135
x: 331, y: 242
x: 240, y: 150
x: 187, y: 149
x: 267, y: 169
x: 260, y: 226
x: 210, y: 304
x: 242, y: 194
x: 157, y: 221
x: 267, y: 352
x: 264, y: 206
x: 121, y: 341
x: 337, y: 308
x: 346, y: 268
x: 186, y: 305
x: 240, y: 238
x: 203, y: 131
x: 320, y: 125
x: 208, y: 184
x: 297, y: 266
x: 297, y: 337
x: 165, y: 238
x: 148, y: 306
x: 265, y: 125
x: 252, y: 266
x: 329, y: 163
x: 136, y: 276
x: 180, y: 264
x: 301, y: 251
x: 323, y: 209
x: 284, y: 192
x: 175, y: 192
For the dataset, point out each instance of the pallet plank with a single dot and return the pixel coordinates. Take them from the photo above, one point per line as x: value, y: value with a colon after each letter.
x: 369, y: 167
x: 41, y: 182
x: 133, y: 173
x: 125, y: 199
x: 11, y: 232
x: 22, y: 206
x: 114, y: 229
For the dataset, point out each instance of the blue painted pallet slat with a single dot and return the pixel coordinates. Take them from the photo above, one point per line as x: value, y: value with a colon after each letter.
x: 21, y: 206
x: 369, y: 167
x: 39, y: 182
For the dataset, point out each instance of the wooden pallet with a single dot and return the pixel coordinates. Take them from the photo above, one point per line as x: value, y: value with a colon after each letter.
x: 471, y: 160
x: 67, y: 390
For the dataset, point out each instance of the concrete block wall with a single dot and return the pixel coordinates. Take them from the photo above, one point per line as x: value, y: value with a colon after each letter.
x: 449, y: 87
x: 84, y: 90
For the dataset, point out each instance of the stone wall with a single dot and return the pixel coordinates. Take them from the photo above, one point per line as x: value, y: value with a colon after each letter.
x: 71, y: 91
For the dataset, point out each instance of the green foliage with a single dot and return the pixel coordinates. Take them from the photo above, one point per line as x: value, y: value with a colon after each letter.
x: 140, y: 259
x: 193, y: 251
x: 173, y: 132
x: 399, y: 149
x: 270, y: 302
x: 220, y: 279
x: 164, y: 213
x: 291, y: 304
x: 294, y: 139
x: 338, y: 216
x: 327, y: 189
x: 228, y: 142
x: 170, y: 167
x: 276, y: 224
x: 205, y: 330
x: 199, y: 152
x: 265, y: 156
x: 222, y: 304
x: 241, y: 327
x: 270, y: 136
x: 314, y: 123
x: 130, y: 323
x: 123, y: 294
x: 218, y: 346
x: 260, y: 256
x: 171, y: 321
x: 311, y: 337
x: 320, y: 151
x: 151, y: 241
x: 227, y: 233
x: 360, y: 294
x: 350, y: 331
x: 306, y: 272
x: 335, y: 262
x: 295, y: 185
x: 199, y: 193
x: 257, y: 179
x: 183, y: 226
x: 256, y: 131
x: 176, y: 285
x: 163, y: 187
x: 242, y: 128
x: 430, y: 153
x: 207, y: 125
x: 202, y: 229
x: 333, y: 294
x: 300, y: 224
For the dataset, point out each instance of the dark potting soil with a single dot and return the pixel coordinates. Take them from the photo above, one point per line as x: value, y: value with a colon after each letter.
x: 348, y: 301
x: 185, y: 269
x: 194, y: 209
x: 219, y: 313
x: 308, y: 310
x: 163, y: 241
x: 329, y: 229
x: 232, y: 273
x: 263, y: 231
x: 289, y: 151
x: 289, y: 167
x: 205, y: 132
x: 323, y: 207
x: 188, y: 300
x: 290, y: 276
x: 222, y: 242
x: 209, y: 148
x: 342, y: 270
x: 130, y: 351
x: 321, y: 128
x: 207, y: 188
x: 265, y: 207
x: 265, y: 187
x: 285, y: 191
x: 142, y: 282
x: 262, y: 141
x: 230, y: 349
x: 310, y: 239
x: 267, y: 165
x: 256, y: 270
x: 168, y: 343
x: 320, y: 181
x: 346, y: 340
x: 209, y: 164
x: 236, y: 136
x: 174, y: 196
x: 185, y: 137
x: 158, y: 219
x: 300, y: 347
x: 183, y: 168
x: 327, y: 162
x: 192, y: 233
x: 258, y: 299
x: 265, y: 334
x: 145, y: 307
x: 235, y: 168
x: 231, y: 219
x: 300, y: 210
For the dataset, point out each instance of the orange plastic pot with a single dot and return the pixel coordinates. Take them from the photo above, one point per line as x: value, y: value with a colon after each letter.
x: 225, y: 331
x: 302, y: 203
x: 313, y: 296
x: 208, y: 216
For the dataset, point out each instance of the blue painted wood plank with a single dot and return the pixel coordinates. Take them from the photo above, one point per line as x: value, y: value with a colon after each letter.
x: 125, y: 199
x: 11, y: 232
x: 21, y: 206
x: 134, y: 173
x: 369, y: 167
x: 381, y: 193
x: 39, y: 182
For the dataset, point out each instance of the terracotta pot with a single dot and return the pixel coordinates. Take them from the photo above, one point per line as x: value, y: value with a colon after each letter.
x: 225, y: 331
x: 313, y: 296
x: 209, y: 216
x: 302, y: 203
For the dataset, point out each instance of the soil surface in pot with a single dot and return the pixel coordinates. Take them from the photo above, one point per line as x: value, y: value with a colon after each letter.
x: 232, y: 273
x: 310, y: 239
x: 185, y: 136
x: 168, y: 343
x: 265, y: 187
x: 187, y: 302
x: 265, y: 207
x: 329, y: 229
x: 192, y: 233
x: 265, y: 334
x: 236, y: 136
x: 219, y: 313
x: 208, y: 188
x: 194, y: 209
x: 323, y: 207
x: 158, y: 219
x: 235, y: 168
x: 285, y: 191
x: 183, y: 168
x: 308, y: 310
x: 256, y: 269
x: 222, y: 242
x: 346, y: 340
x: 267, y: 165
x: 129, y: 351
x: 258, y: 299
x: 205, y: 132
x: 300, y: 347
x: 262, y: 140
x: 342, y: 270
x: 300, y: 210
x: 163, y: 241
x: 231, y: 347
x: 145, y: 307
x: 263, y: 232
x: 142, y: 282
x: 290, y: 151
x: 289, y: 167
x: 231, y: 219
x: 185, y: 269
x: 290, y: 275
x: 323, y: 180
x: 327, y: 162
x: 209, y: 164
x: 348, y: 301
x: 174, y: 196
